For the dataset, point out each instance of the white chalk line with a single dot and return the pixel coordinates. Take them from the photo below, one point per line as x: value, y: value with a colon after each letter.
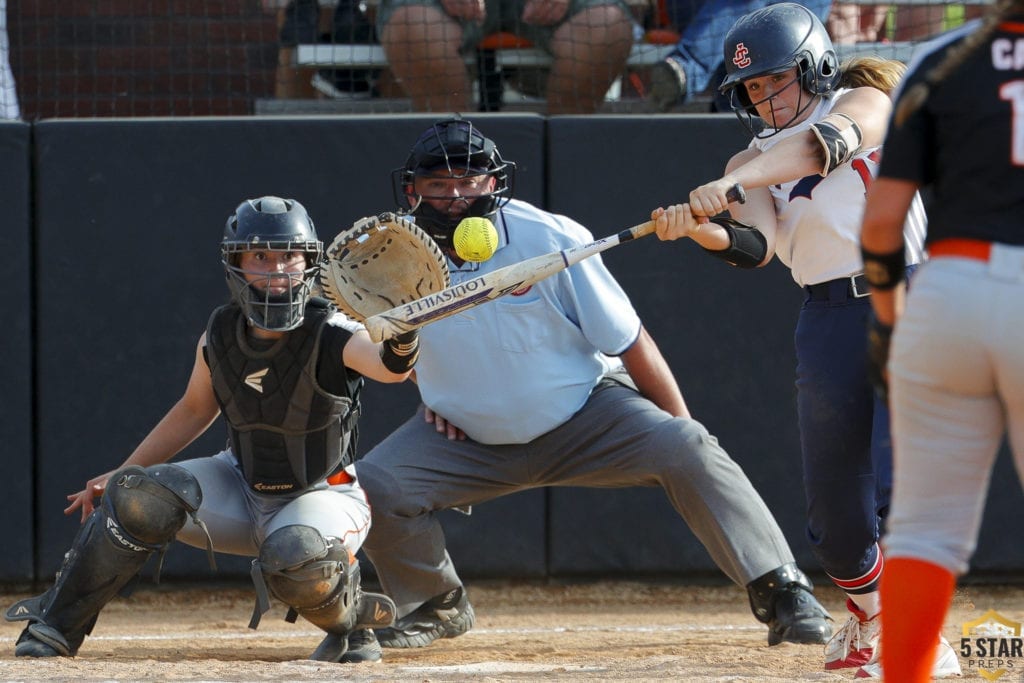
x: 294, y: 633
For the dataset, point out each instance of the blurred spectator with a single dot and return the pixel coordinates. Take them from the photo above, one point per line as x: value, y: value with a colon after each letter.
x: 8, y: 94
x: 921, y: 21
x: 304, y: 22
x: 426, y: 42
x: 696, y: 62
x: 851, y: 22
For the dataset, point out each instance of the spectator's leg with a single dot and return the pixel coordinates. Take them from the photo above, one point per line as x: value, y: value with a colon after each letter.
x: 844, y: 23
x: 351, y: 24
x: 590, y: 52
x: 916, y: 22
x: 299, y: 22
x: 422, y: 45
x: 850, y: 23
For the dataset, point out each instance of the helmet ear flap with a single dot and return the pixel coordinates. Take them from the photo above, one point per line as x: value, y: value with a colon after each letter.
x: 820, y: 78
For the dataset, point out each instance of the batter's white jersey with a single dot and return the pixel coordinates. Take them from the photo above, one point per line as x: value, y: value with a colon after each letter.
x: 8, y: 94
x: 819, y: 219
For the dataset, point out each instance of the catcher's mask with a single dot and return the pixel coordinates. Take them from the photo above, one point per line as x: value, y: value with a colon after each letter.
x: 772, y: 40
x: 279, y: 225
x: 456, y: 148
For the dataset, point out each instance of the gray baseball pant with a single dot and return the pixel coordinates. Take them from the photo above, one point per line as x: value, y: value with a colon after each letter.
x: 617, y: 439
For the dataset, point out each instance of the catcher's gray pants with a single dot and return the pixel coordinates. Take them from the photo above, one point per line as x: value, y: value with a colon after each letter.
x: 239, y: 520
x: 617, y: 439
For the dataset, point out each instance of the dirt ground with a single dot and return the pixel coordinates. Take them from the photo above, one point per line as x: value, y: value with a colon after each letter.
x: 606, y: 631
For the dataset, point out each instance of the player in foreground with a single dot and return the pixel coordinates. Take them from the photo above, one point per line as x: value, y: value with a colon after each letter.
x: 817, y: 129
x: 957, y: 365
x: 555, y: 385
x: 286, y: 370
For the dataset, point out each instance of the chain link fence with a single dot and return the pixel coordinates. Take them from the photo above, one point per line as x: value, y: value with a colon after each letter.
x: 143, y: 58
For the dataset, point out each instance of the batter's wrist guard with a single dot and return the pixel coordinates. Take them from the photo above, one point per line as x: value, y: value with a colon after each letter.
x: 747, y: 245
x: 884, y: 271
x: 399, y: 354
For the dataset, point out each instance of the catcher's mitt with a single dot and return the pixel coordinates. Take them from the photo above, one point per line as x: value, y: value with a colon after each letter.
x: 381, y: 262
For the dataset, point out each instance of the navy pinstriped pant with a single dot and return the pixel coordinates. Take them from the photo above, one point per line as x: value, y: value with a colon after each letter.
x: 844, y: 436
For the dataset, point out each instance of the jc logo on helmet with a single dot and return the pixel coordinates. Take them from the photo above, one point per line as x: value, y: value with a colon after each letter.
x: 740, y: 58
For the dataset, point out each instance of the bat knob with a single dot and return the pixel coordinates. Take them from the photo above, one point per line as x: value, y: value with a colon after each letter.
x: 736, y: 193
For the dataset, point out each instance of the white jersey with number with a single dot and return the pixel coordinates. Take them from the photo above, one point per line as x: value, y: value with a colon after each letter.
x: 819, y: 219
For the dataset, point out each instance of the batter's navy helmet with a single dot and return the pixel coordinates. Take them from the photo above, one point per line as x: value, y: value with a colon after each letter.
x: 772, y: 40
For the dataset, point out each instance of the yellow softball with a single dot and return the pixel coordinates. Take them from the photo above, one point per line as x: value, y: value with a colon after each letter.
x: 475, y: 239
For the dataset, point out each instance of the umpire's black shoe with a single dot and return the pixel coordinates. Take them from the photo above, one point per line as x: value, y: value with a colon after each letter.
x: 799, y: 618
x: 445, y: 616
x: 784, y: 600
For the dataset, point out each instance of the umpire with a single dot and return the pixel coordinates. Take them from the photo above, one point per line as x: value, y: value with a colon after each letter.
x: 568, y: 389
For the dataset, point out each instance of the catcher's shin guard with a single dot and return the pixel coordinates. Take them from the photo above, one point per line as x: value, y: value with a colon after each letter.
x: 784, y: 599
x: 319, y: 580
x: 140, y: 513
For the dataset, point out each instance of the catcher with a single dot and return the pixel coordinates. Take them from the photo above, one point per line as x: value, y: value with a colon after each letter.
x: 285, y: 369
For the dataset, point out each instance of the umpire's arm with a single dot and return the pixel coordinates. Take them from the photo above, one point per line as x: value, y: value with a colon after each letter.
x: 652, y: 375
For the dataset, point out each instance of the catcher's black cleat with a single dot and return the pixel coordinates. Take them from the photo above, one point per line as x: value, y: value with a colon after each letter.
x: 363, y: 646
x: 784, y: 600
x: 445, y: 616
x: 356, y: 642
x: 40, y: 640
x: 355, y: 648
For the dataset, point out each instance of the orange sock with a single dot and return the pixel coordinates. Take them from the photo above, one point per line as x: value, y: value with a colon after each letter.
x: 915, y: 597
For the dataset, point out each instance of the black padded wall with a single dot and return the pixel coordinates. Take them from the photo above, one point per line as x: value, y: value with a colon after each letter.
x: 17, y: 503
x: 126, y: 222
x: 130, y: 215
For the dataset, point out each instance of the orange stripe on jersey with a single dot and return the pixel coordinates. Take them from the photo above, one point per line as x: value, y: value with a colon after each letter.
x: 961, y: 246
x: 341, y: 477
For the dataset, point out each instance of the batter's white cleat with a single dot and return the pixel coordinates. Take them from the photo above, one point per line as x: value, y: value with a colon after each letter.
x: 947, y: 664
x: 855, y: 643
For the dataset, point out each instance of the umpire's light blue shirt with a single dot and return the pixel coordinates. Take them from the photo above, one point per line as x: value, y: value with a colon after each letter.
x: 512, y: 369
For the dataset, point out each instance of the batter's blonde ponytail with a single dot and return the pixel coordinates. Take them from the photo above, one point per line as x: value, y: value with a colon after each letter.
x: 872, y: 72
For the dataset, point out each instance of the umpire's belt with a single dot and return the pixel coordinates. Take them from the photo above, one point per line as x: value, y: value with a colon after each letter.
x: 841, y: 289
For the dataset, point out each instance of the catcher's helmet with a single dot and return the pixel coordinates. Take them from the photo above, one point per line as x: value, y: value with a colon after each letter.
x: 454, y: 147
x: 271, y: 224
x: 772, y: 40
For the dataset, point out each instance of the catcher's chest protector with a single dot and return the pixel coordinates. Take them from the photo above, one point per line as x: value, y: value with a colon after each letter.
x: 285, y: 430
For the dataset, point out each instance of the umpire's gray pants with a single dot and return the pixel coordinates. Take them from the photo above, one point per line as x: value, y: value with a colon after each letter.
x: 617, y: 439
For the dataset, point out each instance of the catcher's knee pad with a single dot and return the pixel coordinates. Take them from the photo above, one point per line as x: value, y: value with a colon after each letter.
x: 315, y: 576
x: 152, y: 503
